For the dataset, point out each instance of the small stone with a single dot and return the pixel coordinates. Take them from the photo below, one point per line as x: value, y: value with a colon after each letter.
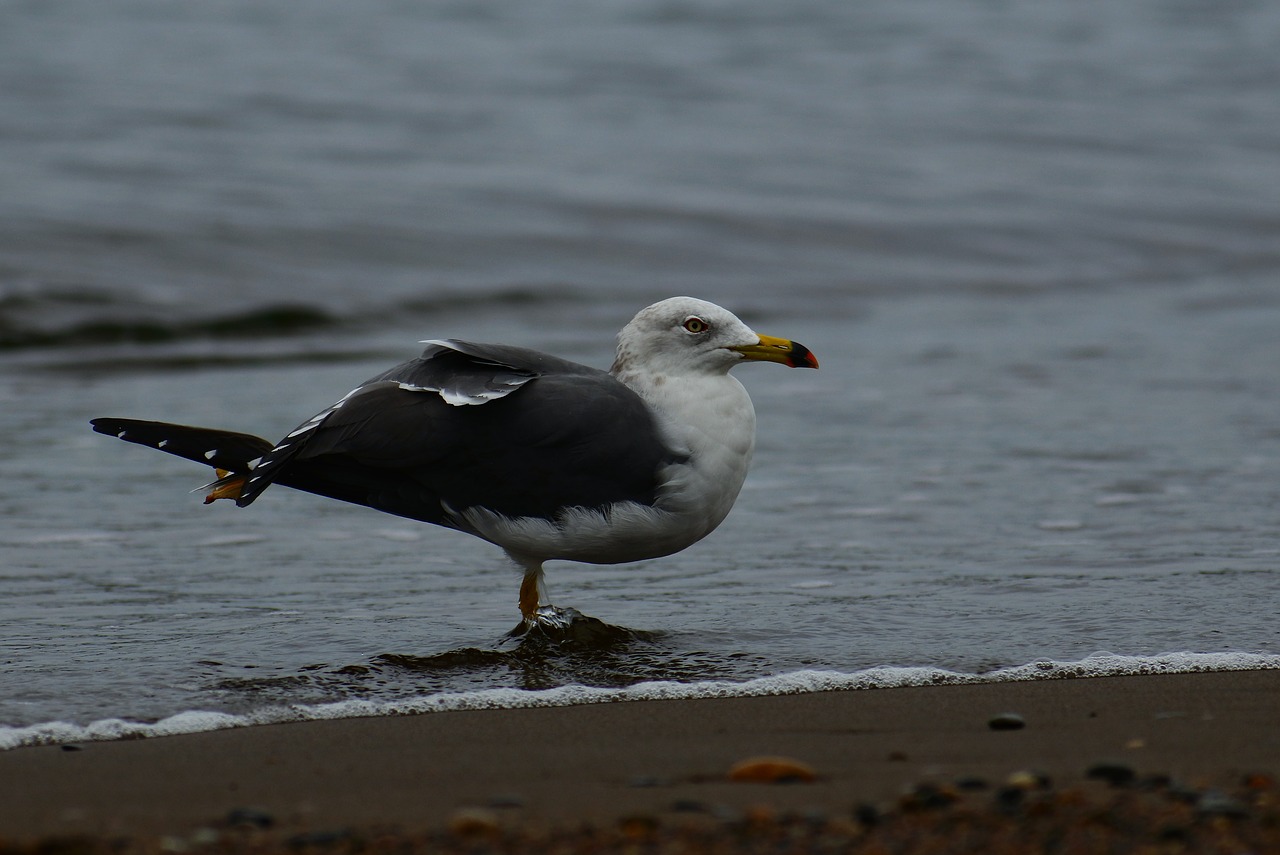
x: 1258, y: 781
x: 204, y: 836
x: 71, y: 746
x: 928, y: 797
x: 1115, y: 774
x: 1184, y: 793
x: 1007, y: 721
x: 972, y: 783
x: 772, y: 770
x: 473, y: 822
x: 250, y: 818
x: 867, y: 814
x: 1010, y: 798
x: 1176, y: 834
x: 1026, y: 780
x: 689, y: 806
x: 1217, y: 803
x: 638, y: 827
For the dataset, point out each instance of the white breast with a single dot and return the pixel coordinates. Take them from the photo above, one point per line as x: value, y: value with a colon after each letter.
x: 710, y: 418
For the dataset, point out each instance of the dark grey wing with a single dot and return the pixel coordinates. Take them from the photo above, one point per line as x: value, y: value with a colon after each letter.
x: 442, y: 369
x: 535, y: 435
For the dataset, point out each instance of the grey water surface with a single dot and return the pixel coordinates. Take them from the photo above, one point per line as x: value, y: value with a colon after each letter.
x: 1033, y: 245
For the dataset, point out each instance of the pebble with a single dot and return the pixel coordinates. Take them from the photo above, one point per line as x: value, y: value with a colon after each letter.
x: 772, y: 770
x: 204, y: 836
x: 972, y: 783
x: 867, y: 814
x: 1258, y: 781
x: 928, y: 797
x: 1218, y: 803
x: 689, y: 806
x: 1007, y: 721
x: 1184, y: 793
x: 1009, y: 797
x: 473, y: 822
x: 1027, y: 780
x: 1115, y: 774
x: 250, y: 818
x: 638, y: 827
x: 1176, y: 835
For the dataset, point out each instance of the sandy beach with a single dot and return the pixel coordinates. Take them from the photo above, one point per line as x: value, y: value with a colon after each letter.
x: 1194, y: 750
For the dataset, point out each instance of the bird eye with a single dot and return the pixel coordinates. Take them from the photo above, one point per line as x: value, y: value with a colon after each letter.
x: 696, y: 325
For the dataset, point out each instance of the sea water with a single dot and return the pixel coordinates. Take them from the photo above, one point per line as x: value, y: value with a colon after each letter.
x: 1033, y: 249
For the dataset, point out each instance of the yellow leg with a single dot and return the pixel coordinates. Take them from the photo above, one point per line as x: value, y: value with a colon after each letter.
x: 531, y: 593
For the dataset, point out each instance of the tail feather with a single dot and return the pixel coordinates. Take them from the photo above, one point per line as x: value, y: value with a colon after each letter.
x: 235, y: 455
x: 222, y: 449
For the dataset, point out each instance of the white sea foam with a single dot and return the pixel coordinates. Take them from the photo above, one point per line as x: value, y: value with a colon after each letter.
x: 797, y: 682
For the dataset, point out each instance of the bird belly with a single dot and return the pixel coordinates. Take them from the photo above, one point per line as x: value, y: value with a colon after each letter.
x: 621, y: 532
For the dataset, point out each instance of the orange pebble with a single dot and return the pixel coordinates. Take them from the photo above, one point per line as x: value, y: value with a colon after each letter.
x: 772, y: 770
x: 473, y: 822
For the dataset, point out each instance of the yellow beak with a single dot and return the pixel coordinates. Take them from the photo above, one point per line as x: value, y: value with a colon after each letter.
x: 770, y: 349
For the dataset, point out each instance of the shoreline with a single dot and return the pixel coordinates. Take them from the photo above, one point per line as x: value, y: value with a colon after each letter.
x: 198, y: 720
x: 666, y: 761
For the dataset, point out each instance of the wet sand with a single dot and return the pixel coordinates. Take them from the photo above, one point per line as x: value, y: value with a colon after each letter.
x: 1176, y: 755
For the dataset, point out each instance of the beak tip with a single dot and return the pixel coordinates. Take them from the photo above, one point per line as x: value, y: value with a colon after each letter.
x: 802, y: 357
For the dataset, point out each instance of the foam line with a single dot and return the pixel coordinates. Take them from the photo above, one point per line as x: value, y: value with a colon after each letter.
x: 797, y: 682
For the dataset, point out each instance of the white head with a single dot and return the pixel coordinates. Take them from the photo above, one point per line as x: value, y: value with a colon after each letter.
x: 683, y: 335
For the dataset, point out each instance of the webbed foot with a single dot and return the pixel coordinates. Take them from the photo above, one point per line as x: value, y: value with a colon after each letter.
x: 550, y: 621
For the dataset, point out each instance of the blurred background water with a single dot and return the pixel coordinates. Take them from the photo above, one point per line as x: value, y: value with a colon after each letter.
x: 1035, y: 247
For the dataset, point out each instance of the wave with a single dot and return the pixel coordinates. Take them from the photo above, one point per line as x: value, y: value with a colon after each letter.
x: 798, y: 682
x: 265, y: 321
x: 74, y: 319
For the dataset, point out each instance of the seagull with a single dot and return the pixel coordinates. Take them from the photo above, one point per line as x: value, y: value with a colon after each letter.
x: 546, y: 458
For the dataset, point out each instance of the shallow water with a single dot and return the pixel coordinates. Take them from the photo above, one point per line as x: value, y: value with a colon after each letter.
x: 1033, y: 249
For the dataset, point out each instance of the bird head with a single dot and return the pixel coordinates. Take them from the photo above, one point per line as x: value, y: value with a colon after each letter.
x: 685, y: 335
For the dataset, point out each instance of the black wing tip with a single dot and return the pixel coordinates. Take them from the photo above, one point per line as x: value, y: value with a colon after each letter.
x: 108, y: 426
x: 118, y: 427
